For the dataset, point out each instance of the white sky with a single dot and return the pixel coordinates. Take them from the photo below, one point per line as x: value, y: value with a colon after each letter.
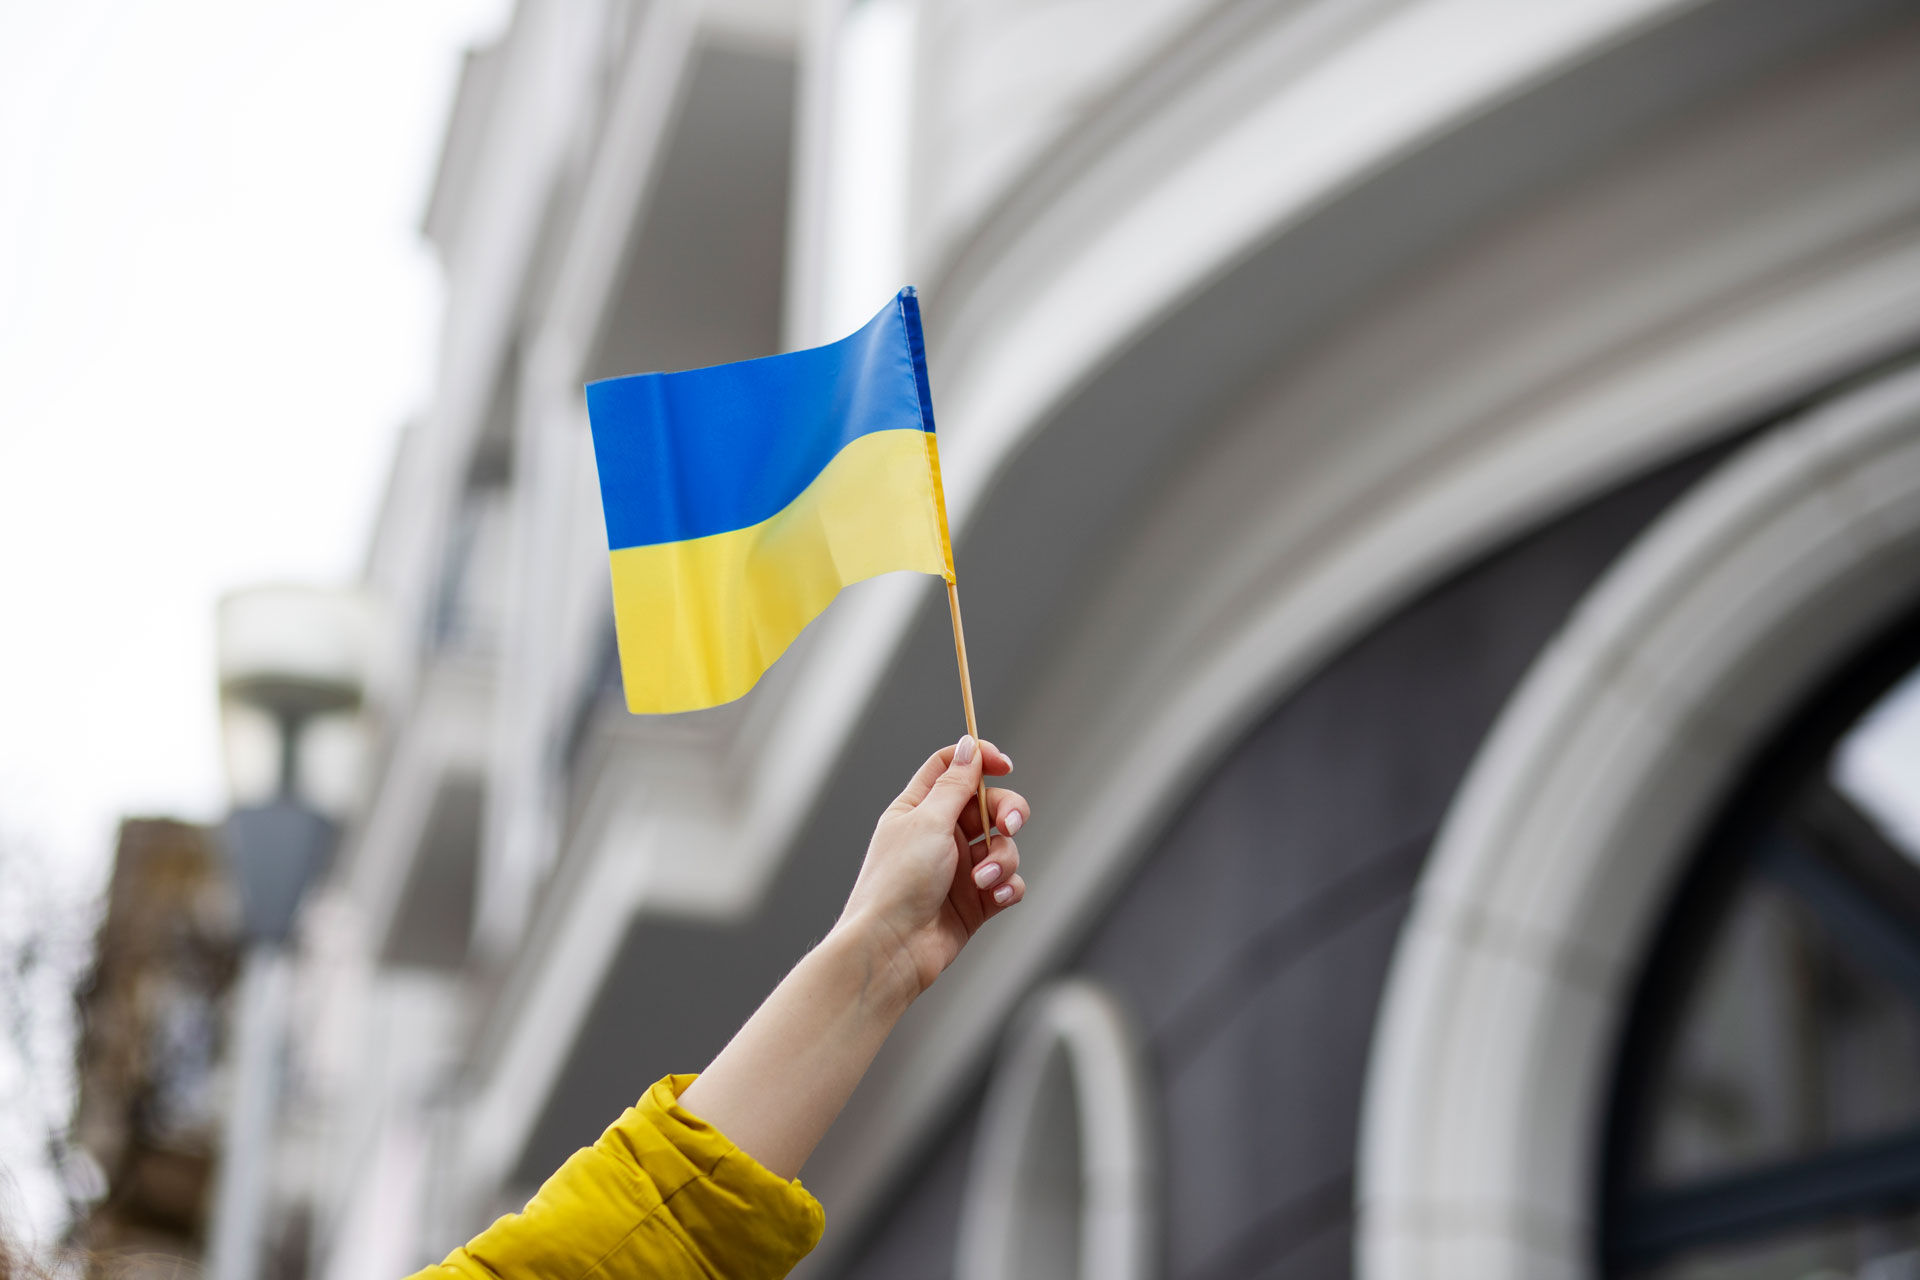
x: 1878, y: 765
x: 215, y: 311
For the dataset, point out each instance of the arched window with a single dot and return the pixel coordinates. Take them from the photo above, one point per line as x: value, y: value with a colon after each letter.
x: 1767, y: 1107
x: 1061, y: 1185
x: 1495, y: 1080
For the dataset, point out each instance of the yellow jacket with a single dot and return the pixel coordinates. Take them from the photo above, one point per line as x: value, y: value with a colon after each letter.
x: 663, y: 1195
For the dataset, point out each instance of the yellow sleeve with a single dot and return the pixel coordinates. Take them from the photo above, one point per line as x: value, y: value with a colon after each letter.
x: 663, y: 1195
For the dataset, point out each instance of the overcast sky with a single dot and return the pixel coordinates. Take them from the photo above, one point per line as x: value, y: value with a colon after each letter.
x: 215, y: 311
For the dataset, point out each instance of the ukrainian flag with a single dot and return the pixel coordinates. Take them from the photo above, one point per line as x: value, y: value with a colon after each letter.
x: 740, y: 499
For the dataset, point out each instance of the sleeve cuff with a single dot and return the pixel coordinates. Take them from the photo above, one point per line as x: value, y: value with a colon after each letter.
x: 730, y: 1206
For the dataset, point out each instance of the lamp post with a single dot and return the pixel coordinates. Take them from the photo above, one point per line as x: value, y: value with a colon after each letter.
x: 290, y: 658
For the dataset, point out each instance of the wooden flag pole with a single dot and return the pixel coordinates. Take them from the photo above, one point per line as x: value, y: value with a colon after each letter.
x: 966, y: 699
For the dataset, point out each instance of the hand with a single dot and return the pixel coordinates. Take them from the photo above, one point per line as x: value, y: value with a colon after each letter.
x: 926, y: 887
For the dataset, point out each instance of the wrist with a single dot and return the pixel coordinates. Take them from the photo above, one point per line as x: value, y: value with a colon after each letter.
x: 889, y: 979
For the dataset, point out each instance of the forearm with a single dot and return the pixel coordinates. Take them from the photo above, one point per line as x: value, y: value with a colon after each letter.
x: 783, y: 1078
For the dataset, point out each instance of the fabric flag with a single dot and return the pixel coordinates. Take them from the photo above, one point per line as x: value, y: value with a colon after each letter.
x: 740, y: 499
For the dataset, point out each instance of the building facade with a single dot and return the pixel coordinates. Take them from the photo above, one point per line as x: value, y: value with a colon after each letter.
x: 1436, y: 486
x: 151, y: 1006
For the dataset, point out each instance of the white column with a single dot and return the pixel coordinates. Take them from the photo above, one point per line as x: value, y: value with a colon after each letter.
x: 246, y: 1156
x: 870, y: 136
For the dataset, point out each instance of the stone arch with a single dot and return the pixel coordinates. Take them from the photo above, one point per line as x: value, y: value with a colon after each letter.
x: 1480, y: 1133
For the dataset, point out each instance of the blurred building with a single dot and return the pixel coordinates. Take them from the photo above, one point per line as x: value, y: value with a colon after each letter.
x: 1436, y: 485
x: 152, y: 1012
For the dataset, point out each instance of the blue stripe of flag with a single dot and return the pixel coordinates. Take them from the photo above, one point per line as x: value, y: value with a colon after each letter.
x: 688, y: 455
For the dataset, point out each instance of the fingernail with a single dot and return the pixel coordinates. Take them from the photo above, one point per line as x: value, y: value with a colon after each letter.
x: 1009, y: 761
x: 1003, y: 895
x: 1012, y: 823
x: 986, y: 873
x: 963, y: 754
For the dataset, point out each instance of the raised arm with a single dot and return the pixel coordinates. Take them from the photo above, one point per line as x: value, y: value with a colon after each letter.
x: 699, y: 1178
x: 925, y: 889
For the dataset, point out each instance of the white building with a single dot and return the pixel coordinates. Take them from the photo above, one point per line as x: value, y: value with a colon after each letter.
x: 1432, y: 480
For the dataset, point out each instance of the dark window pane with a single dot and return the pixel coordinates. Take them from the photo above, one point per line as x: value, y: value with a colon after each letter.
x: 1786, y: 1046
x: 1867, y: 1248
x: 1767, y: 1110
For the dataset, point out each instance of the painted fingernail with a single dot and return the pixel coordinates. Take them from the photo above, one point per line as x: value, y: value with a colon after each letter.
x: 1012, y: 823
x: 1007, y: 760
x: 963, y: 753
x: 1003, y: 895
x: 986, y: 873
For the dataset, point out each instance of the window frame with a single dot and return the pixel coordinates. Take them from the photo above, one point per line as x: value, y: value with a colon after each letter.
x: 1640, y: 1228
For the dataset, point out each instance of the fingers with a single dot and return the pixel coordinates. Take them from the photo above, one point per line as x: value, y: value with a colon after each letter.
x: 1005, y: 887
x: 997, y: 878
x: 998, y: 867
x: 997, y: 763
x: 1010, y: 809
x: 1010, y: 812
x: 954, y: 787
x: 1007, y: 895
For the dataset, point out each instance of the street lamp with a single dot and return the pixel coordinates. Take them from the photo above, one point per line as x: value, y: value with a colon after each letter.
x: 291, y: 659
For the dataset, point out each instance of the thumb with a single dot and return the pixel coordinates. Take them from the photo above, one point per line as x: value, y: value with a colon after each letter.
x: 953, y: 789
